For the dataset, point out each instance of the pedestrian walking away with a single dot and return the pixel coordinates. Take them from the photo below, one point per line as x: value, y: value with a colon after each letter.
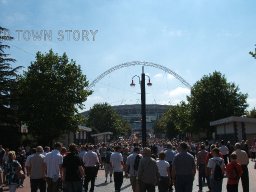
x: 107, y: 166
x: 164, y: 171
x: 243, y: 160
x: 224, y: 151
x: 11, y: 168
x: 36, y: 171
x: 215, y: 171
x: 169, y: 156
x: 132, y: 169
x: 73, y: 170
x: 53, y: 162
x: 148, y: 175
x: 91, y: 164
x: 117, y: 164
x: 183, y: 169
x: 201, y: 166
x: 234, y: 172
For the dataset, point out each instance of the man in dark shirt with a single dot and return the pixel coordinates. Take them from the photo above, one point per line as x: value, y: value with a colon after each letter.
x: 169, y: 156
x: 201, y: 165
x: 72, y: 170
x: 183, y: 169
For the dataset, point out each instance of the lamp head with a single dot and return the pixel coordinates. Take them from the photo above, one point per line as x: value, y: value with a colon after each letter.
x: 149, y: 83
x: 132, y: 84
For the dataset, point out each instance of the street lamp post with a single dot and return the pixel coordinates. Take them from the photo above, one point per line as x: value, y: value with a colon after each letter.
x: 143, y: 105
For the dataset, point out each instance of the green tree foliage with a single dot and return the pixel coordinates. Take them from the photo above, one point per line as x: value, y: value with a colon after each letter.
x: 103, y: 118
x: 51, y: 93
x: 9, y: 124
x: 251, y: 113
x: 165, y: 125
x: 176, y: 120
x: 213, y: 98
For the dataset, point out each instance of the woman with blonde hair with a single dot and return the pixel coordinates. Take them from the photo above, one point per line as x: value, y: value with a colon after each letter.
x: 11, y: 168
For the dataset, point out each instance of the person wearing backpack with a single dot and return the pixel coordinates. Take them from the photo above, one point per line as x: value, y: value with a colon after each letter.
x: 132, y: 165
x: 215, y: 170
x: 107, y: 165
x: 234, y: 172
x: 148, y: 175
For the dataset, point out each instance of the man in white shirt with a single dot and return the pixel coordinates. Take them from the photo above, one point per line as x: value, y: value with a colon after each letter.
x: 224, y: 151
x: 117, y: 163
x: 243, y: 160
x: 33, y: 151
x: 164, y: 171
x: 53, y: 162
x: 36, y: 170
x: 91, y: 164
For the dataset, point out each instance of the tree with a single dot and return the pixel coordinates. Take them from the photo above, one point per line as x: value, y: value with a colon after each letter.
x: 253, y: 54
x: 9, y: 124
x: 51, y: 93
x: 181, y: 117
x: 102, y: 117
x: 213, y: 98
x: 176, y: 120
x: 165, y: 125
x: 251, y: 113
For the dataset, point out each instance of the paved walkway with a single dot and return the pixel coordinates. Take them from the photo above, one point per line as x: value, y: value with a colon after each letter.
x: 101, y: 186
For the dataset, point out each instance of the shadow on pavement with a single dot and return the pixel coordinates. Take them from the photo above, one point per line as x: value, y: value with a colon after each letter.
x: 101, y: 184
x: 124, y: 187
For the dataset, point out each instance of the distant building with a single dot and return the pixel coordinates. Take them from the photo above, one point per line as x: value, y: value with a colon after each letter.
x: 102, y: 137
x: 235, y: 128
x: 78, y: 137
x: 132, y: 114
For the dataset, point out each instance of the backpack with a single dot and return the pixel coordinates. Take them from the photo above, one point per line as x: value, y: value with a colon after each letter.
x: 136, y: 163
x: 218, y: 174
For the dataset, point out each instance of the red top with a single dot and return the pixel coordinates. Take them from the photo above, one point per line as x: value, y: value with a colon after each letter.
x: 232, y: 174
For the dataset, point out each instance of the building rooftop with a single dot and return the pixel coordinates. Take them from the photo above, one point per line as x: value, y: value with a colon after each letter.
x: 233, y: 119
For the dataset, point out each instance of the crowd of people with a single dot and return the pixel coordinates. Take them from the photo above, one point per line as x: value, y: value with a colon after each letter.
x: 166, y: 165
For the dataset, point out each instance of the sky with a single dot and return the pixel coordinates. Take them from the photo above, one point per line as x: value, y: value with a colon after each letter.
x: 192, y: 38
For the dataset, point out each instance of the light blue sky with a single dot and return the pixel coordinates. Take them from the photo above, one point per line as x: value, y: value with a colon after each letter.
x: 191, y: 37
